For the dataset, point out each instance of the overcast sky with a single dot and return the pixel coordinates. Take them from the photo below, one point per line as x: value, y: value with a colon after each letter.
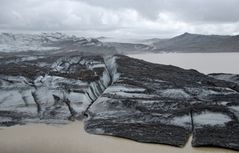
x: 122, y: 18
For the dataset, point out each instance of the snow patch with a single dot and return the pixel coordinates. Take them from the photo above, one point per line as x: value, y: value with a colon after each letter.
x: 123, y: 89
x: 181, y: 120
x: 41, y: 42
x: 112, y: 67
x: 175, y: 93
x: 99, y: 131
x: 211, y: 119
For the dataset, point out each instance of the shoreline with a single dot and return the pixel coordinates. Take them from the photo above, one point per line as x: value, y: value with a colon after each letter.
x: 71, y: 138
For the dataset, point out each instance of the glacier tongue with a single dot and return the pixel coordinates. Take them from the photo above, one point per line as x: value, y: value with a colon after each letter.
x: 61, y: 89
x: 122, y: 97
x: 10, y: 42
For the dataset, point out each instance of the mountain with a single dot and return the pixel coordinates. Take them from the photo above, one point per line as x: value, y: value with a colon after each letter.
x: 59, y: 42
x: 125, y: 48
x: 199, y: 43
x: 50, y: 42
x: 186, y: 42
x: 227, y: 77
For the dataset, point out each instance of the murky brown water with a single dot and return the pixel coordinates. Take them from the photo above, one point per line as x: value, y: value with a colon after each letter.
x: 203, y: 62
x: 73, y: 139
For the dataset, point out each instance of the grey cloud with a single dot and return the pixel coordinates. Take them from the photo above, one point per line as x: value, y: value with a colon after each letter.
x: 194, y: 10
x: 48, y: 15
x: 207, y: 10
x: 134, y: 18
x: 147, y: 8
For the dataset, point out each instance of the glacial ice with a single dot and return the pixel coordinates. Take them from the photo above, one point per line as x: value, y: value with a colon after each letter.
x: 210, y: 118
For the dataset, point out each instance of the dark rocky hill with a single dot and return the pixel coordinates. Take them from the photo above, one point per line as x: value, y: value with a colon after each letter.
x: 199, y: 43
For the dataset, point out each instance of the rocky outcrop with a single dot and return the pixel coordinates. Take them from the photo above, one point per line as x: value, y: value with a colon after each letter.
x: 165, y: 104
x: 121, y: 96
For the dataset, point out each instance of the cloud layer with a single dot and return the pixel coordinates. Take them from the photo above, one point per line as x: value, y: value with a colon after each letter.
x: 122, y: 18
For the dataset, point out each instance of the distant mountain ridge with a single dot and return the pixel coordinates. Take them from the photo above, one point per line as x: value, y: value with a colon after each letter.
x: 131, y: 47
x: 42, y: 42
x: 188, y: 42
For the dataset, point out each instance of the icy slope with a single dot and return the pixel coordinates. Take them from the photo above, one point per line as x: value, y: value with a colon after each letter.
x: 42, y: 42
x: 165, y: 104
x: 50, y: 89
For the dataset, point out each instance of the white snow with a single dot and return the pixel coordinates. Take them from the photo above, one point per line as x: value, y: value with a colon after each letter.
x: 22, y: 47
x: 211, y: 118
x: 55, y: 81
x: 96, y: 66
x: 127, y: 92
x: 99, y: 131
x: 100, y: 105
x: 19, y: 82
x: 123, y: 89
x: 44, y: 95
x: 175, y: 93
x: 10, y: 42
x: 132, y: 95
x: 111, y: 65
x: 181, y: 120
x: 105, y: 78
x: 10, y: 99
x: 12, y: 94
x: 17, y: 93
